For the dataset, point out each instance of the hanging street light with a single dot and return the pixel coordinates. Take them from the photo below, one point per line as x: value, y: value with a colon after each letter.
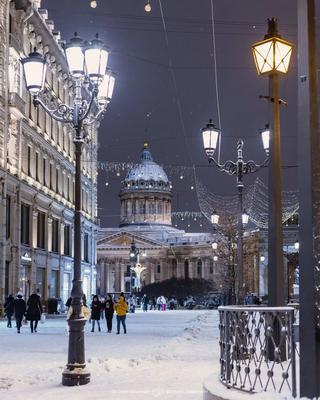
x: 272, y: 58
x: 210, y: 137
x: 86, y: 64
x: 214, y: 245
x: 296, y: 245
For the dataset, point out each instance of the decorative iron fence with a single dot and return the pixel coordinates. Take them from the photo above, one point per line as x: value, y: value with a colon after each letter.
x: 258, y: 348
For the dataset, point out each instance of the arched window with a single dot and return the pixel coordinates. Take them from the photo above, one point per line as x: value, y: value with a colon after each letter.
x: 186, y: 269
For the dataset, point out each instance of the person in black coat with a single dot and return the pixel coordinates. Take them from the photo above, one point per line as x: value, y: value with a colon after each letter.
x: 109, y: 311
x: 9, y: 309
x: 95, y: 312
x: 34, y: 311
x: 19, y: 307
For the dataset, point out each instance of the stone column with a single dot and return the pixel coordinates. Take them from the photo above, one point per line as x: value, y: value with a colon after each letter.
x: 61, y: 247
x: 34, y: 227
x: 49, y: 241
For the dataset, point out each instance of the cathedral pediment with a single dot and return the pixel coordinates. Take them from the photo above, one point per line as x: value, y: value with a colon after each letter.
x: 124, y: 240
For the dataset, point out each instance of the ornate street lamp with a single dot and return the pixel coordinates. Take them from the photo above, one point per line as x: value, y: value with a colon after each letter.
x: 210, y: 136
x: 86, y: 64
x: 272, y: 57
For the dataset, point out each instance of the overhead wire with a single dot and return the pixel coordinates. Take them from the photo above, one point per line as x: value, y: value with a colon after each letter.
x: 216, y: 77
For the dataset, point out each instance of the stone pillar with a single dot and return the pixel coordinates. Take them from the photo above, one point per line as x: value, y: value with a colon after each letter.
x: 61, y: 247
x: 122, y: 272
x: 49, y: 241
x: 34, y: 227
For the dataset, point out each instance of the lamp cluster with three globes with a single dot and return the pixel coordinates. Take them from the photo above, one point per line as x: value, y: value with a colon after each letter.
x: 92, y: 88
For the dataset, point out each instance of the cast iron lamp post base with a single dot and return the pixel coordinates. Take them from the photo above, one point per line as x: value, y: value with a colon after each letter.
x: 76, y: 374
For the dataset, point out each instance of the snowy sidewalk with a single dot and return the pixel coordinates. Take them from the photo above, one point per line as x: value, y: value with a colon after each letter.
x: 164, y: 355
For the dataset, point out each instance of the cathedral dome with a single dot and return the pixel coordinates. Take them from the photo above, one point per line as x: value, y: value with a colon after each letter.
x: 147, y: 175
x: 145, y: 194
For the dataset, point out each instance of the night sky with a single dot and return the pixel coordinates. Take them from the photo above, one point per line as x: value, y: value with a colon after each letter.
x: 168, y: 106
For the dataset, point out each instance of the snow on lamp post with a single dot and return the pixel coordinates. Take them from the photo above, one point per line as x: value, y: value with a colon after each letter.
x: 87, y: 64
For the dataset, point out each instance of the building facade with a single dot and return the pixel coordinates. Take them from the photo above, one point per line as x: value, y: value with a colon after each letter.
x: 37, y: 166
x: 165, y: 252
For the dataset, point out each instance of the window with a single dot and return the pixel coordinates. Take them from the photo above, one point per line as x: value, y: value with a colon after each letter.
x: 57, y: 180
x: 86, y: 247
x: 41, y: 230
x: 37, y: 166
x: 158, y: 269
x: 55, y: 235
x: 67, y: 237
x: 142, y: 210
x: 29, y: 161
x: 8, y: 217
x: 51, y: 177
x: 25, y: 224
x: 68, y: 188
x: 44, y: 167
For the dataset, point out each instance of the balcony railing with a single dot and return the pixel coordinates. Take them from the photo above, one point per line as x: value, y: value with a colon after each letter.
x: 258, y: 349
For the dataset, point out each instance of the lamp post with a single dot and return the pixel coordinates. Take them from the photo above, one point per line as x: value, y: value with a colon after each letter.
x: 272, y: 57
x: 88, y: 70
x: 210, y: 135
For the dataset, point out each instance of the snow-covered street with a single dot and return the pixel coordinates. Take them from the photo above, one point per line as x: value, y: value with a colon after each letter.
x: 164, y: 355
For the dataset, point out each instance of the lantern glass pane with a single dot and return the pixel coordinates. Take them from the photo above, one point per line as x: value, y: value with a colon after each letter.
x: 215, y: 218
x: 263, y: 56
x: 75, y: 59
x: 265, y: 136
x: 112, y: 82
x: 210, y: 139
x: 96, y: 63
x: 283, y: 53
x: 35, y: 73
x: 245, y: 218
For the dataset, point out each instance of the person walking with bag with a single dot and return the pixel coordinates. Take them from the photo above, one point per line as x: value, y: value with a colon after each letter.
x: 9, y: 309
x: 95, y: 312
x: 20, y: 307
x: 34, y: 311
x: 109, y: 311
x: 121, y: 308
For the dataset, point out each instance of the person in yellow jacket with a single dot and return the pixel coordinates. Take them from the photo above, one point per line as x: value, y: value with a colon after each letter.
x: 121, y: 308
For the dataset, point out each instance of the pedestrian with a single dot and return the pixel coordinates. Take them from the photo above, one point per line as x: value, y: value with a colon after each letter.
x: 132, y: 303
x: 145, y: 302
x: 159, y: 304
x: 121, y: 308
x: 20, y: 307
x: 34, y: 311
x: 9, y: 309
x: 103, y: 302
x: 95, y: 312
x: 109, y: 311
x: 163, y: 303
x: 154, y: 303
